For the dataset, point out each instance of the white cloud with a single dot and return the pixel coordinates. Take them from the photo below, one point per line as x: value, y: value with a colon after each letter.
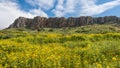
x: 90, y: 8
x: 64, y: 7
x: 43, y: 4
x: 59, y: 9
x: 83, y: 7
x: 70, y: 6
x: 9, y: 11
x: 38, y: 12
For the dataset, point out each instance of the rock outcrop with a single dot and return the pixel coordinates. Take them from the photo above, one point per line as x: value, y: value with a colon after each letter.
x: 55, y: 22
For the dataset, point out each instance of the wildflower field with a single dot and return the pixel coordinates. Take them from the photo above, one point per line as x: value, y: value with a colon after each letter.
x: 32, y: 49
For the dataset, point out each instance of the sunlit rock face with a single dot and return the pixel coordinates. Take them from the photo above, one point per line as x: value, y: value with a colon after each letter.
x: 58, y: 22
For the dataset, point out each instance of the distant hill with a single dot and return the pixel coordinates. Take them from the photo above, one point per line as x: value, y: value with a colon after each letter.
x: 58, y: 22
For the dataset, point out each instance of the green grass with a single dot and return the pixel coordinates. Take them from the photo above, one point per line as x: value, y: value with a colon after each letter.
x: 92, y: 46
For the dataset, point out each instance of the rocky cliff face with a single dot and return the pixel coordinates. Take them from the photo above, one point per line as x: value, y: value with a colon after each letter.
x: 39, y: 22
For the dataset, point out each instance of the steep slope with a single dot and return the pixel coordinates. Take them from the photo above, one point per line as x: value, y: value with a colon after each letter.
x: 40, y: 22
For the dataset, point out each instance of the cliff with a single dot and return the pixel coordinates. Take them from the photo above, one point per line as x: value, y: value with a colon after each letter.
x: 55, y: 22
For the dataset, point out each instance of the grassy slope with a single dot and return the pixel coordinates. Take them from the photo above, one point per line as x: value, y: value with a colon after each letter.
x: 80, y: 47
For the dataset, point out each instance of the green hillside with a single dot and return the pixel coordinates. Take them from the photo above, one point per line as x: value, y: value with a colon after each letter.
x: 92, y: 46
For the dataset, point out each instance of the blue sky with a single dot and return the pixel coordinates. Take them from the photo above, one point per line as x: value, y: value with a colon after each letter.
x: 12, y: 9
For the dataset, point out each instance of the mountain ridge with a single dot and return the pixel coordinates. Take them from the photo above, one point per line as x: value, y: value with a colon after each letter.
x: 58, y: 22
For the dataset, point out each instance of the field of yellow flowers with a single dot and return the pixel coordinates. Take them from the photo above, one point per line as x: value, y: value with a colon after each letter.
x: 25, y: 49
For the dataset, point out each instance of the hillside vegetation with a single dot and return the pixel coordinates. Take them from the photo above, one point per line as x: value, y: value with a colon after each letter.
x: 92, y: 46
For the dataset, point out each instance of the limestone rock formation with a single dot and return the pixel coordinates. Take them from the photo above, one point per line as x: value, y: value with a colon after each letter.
x: 55, y: 22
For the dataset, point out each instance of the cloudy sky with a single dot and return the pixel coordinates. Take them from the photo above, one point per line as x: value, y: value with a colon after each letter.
x: 12, y: 9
